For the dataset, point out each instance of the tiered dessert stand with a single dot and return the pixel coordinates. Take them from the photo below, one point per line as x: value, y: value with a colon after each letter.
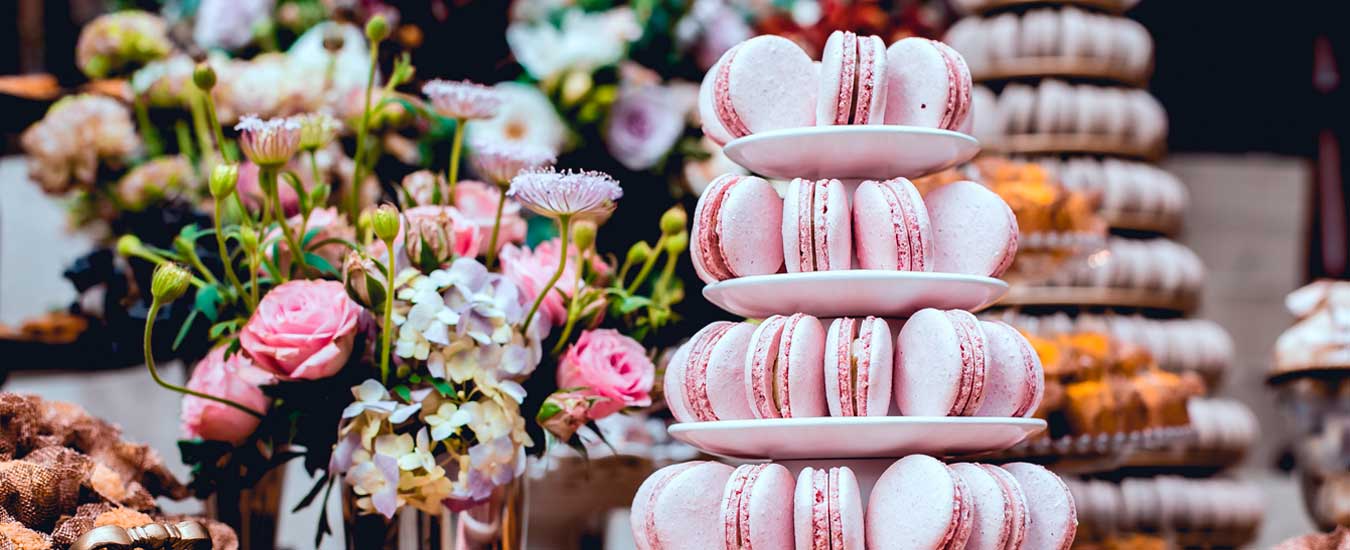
x: 1118, y: 455
x: 868, y: 445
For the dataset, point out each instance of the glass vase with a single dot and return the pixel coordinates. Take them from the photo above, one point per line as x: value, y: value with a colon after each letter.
x: 498, y: 524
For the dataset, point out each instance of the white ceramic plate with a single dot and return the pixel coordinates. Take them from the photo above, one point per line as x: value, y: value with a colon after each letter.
x: 855, y: 437
x: 852, y: 152
x: 857, y: 292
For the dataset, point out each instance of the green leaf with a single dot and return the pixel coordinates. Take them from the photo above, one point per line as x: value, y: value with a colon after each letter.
x: 208, y: 302
x: 427, y: 259
x: 403, y: 391
x: 219, y: 329
x: 319, y: 263
x: 443, y: 388
x: 309, y: 235
x: 547, y: 411
x: 187, y: 324
x: 416, y: 379
x: 311, y: 495
x: 633, y: 303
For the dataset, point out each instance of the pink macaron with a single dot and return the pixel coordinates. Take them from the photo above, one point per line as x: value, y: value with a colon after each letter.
x: 1015, y: 382
x: 756, y: 507
x: 1000, y: 517
x: 764, y: 83
x: 918, y: 503
x: 974, y: 230
x: 736, y: 229
x: 817, y: 226
x: 827, y: 511
x: 783, y: 369
x: 941, y: 359
x: 852, y: 80
x: 678, y: 507
x: 891, y: 229
x: 1054, y: 521
x: 705, y: 379
x: 858, y: 366
x: 928, y: 84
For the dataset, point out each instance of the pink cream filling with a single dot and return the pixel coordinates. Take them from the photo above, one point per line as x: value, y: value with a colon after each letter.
x: 836, y: 511
x: 765, y: 348
x: 845, y: 366
x: 864, y: 381
x: 781, y: 377
x: 820, y: 511
x: 696, y: 379
x: 650, y: 520
x: 822, y: 233
x: 1072, y: 529
x: 951, y: 540
x: 714, y: 259
x: 957, y: 98
x: 1033, y: 382
x: 805, y: 234
x: 731, y: 507
x: 862, y: 108
x: 726, y: 112
x: 902, y: 218
x: 1005, y: 530
x: 972, y: 356
x: 743, y: 512
x: 847, y: 73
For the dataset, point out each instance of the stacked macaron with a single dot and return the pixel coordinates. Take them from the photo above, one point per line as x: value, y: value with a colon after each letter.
x: 962, y: 227
x: 1069, y: 37
x: 1154, y: 264
x: 1127, y: 188
x: 942, y: 363
x: 1054, y: 107
x: 917, y: 503
x: 978, y: 6
x: 769, y: 83
x: 1222, y: 508
x: 1178, y: 345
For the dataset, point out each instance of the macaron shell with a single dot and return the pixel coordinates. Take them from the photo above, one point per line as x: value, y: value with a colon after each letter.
x: 928, y: 85
x: 673, y: 385
x: 726, y: 374
x: 932, y: 376
x: 881, y: 367
x: 891, y: 227
x: 870, y: 107
x: 839, y: 356
x: 992, y: 526
x: 816, y: 226
x: 732, y: 221
x: 681, y: 512
x: 707, y: 109
x: 850, y: 509
x: 834, y: 227
x: 1019, y: 515
x: 917, y: 504
x: 838, y: 66
x: 872, y: 350
x: 974, y: 230
x: 642, y: 502
x: 809, y: 509
x: 766, y: 516
x: 803, y: 346
x: 771, y: 84
x: 1054, y: 521
x: 1014, y: 377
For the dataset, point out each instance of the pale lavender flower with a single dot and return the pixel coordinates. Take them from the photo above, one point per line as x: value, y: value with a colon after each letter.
x: 371, y: 396
x: 499, y: 161
x: 269, y: 142
x: 342, y: 458
x: 228, y: 24
x: 462, y: 100
x: 317, y: 130
x: 376, y: 482
x: 557, y: 194
x: 642, y: 127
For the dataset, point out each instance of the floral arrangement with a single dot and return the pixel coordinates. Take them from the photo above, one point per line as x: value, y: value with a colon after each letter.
x: 390, y: 347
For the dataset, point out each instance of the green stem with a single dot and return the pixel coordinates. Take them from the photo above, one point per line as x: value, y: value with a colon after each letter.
x: 388, y: 332
x: 456, y: 148
x: 564, y: 230
x: 225, y: 255
x: 153, y: 145
x: 253, y: 277
x: 314, y: 169
x: 154, y: 372
x: 496, y: 227
x: 647, y: 265
x: 268, y: 175
x: 214, y: 123
x: 196, y: 262
x: 203, y: 136
x: 572, y: 317
x: 353, y: 197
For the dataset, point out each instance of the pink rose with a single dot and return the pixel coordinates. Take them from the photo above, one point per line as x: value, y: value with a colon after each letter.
x: 605, y: 363
x: 235, y: 379
x: 302, y: 330
x: 564, y: 413
x: 531, y: 270
x: 478, y: 202
x: 467, y: 239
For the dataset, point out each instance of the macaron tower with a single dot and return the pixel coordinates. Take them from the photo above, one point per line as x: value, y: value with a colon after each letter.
x: 775, y: 387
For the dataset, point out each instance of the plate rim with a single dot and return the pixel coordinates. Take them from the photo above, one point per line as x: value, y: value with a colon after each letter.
x: 858, y: 275
x: 732, y: 148
x: 837, y: 421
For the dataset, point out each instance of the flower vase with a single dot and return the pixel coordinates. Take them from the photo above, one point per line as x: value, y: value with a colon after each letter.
x: 251, y: 512
x: 497, y: 524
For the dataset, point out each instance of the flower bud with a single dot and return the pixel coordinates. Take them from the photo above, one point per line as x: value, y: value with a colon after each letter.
x: 377, y: 29
x: 248, y: 238
x: 169, y: 282
x: 639, y: 252
x: 224, y: 177
x: 204, y: 77
x: 675, y: 244
x: 428, y: 244
x: 575, y: 86
x: 318, y: 197
x: 583, y: 234
x: 363, y: 222
x: 184, y: 246
x: 562, y: 414
x: 128, y: 245
x: 674, y: 220
x: 359, y: 274
x: 385, y: 222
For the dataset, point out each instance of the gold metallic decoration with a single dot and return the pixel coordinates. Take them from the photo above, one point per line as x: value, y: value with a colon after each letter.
x: 184, y: 535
